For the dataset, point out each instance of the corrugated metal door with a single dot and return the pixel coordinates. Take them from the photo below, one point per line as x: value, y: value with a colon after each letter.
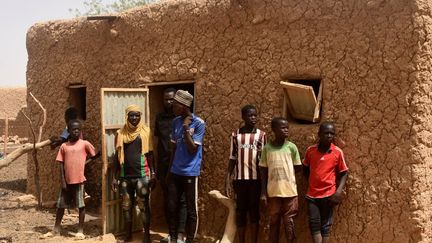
x: 113, y: 104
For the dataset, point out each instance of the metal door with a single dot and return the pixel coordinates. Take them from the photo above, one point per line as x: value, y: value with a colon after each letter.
x: 113, y: 104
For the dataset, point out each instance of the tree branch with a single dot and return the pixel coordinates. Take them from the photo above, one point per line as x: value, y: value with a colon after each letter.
x: 25, y: 148
x: 44, y: 117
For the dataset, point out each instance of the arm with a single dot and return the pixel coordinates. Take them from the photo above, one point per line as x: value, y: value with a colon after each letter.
x: 150, y: 162
x: 264, y: 178
x: 306, y: 171
x: 62, y: 175
x: 115, y: 171
x: 297, y: 169
x: 195, y: 140
x: 336, y: 198
x: 174, y: 146
x: 190, y: 144
x: 228, y: 187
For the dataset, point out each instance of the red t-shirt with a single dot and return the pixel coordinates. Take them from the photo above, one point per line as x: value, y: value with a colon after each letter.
x: 323, y: 170
x: 73, y: 157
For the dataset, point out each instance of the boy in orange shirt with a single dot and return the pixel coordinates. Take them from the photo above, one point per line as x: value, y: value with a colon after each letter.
x: 72, y: 157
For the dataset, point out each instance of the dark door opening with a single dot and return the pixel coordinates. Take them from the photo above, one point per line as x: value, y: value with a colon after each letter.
x: 77, y: 99
x: 156, y: 106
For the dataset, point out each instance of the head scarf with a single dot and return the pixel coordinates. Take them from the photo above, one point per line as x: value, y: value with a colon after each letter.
x: 129, y: 133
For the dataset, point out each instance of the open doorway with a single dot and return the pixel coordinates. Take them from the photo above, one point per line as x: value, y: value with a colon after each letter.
x: 156, y: 105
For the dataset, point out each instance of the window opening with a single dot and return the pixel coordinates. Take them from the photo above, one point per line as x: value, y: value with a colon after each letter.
x: 77, y: 99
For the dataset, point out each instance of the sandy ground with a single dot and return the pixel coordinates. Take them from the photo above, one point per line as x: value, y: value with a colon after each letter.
x: 22, y: 221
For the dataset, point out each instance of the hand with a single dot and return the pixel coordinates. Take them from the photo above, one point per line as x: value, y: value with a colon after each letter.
x: 152, y: 182
x: 228, y: 187
x: 336, y: 198
x: 97, y: 155
x: 263, y: 199
x: 168, y: 178
x: 187, y: 121
x: 114, y: 185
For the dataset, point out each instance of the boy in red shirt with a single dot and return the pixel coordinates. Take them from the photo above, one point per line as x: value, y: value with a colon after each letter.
x: 326, y: 170
x: 72, y: 157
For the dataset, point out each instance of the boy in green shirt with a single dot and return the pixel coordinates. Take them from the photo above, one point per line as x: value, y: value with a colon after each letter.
x: 279, y: 157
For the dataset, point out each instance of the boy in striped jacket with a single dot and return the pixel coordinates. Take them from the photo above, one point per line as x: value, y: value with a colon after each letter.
x: 243, y: 172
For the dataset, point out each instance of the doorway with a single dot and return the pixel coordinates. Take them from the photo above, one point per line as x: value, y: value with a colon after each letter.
x: 156, y: 106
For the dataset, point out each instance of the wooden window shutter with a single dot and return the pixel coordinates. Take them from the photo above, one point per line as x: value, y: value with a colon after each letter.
x: 302, y: 102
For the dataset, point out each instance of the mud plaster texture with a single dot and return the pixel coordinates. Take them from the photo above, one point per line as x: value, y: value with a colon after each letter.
x: 373, y: 57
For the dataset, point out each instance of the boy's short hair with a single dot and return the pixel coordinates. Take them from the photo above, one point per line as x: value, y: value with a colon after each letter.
x: 71, y: 113
x: 325, y: 124
x: 169, y: 90
x: 70, y: 122
x: 246, y: 108
x: 277, y: 120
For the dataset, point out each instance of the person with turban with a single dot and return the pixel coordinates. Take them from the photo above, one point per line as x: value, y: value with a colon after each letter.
x: 135, y: 170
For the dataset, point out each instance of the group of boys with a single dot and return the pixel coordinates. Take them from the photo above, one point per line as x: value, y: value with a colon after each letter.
x: 266, y: 171
x: 257, y: 171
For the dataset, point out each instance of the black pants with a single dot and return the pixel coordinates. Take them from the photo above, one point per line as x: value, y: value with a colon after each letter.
x: 320, y: 215
x: 177, y: 186
x: 248, y: 194
x: 162, y: 171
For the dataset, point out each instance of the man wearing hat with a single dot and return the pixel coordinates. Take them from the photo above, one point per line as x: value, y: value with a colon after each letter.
x: 134, y: 167
x: 187, y: 137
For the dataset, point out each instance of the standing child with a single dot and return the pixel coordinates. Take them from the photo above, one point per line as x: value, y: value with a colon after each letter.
x: 72, y: 157
x: 279, y: 157
x: 327, y: 172
x: 246, y: 146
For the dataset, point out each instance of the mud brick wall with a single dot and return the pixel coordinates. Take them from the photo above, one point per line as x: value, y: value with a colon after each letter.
x: 373, y: 58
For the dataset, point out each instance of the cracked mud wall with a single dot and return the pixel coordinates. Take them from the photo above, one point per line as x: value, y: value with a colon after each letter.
x: 373, y: 58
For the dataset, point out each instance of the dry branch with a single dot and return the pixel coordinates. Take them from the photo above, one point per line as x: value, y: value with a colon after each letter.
x: 230, y: 225
x: 44, y: 117
x: 25, y: 148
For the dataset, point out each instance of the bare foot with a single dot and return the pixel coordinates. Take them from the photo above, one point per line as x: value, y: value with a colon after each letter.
x: 79, y: 236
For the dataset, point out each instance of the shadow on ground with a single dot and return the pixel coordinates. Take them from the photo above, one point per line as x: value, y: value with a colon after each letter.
x: 19, y: 185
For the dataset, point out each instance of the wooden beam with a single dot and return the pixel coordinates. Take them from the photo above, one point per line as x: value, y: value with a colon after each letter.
x: 191, y: 81
x: 103, y: 17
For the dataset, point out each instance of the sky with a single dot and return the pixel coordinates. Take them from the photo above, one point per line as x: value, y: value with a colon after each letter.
x: 16, y: 17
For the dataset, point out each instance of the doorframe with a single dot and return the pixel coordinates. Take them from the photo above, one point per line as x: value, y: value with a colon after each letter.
x: 105, y: 161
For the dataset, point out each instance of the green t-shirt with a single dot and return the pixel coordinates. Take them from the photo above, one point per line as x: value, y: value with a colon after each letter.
x: 280, y: 162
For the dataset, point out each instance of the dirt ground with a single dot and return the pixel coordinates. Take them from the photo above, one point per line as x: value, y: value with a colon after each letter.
x: 21, y: 221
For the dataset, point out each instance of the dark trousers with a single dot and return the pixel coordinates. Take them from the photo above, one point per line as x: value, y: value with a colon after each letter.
x: 162, y: 171
x: 320, y: 215
x: 248, y: 194
x: 177, y: 186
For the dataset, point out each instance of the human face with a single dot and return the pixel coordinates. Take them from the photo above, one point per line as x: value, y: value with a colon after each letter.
x: 281, y: 130
x: 250, y: 118
x: 134, y: 117
x: 74, y: 130
x: 327, y: 134
x: 178, y: 108
x: 168, y: 99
